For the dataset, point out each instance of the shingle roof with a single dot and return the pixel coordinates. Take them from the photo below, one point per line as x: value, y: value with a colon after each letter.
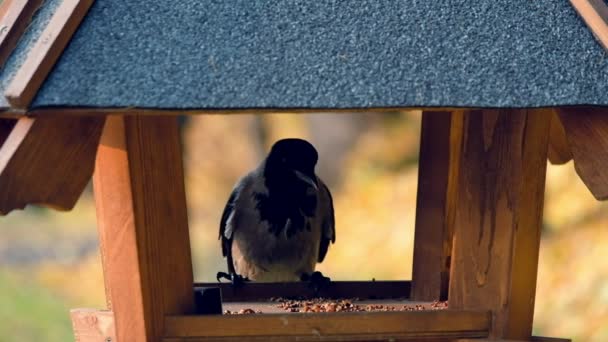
x: 218, y: 54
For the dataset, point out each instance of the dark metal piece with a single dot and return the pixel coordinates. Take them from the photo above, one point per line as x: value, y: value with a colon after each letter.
x: 208, y: 300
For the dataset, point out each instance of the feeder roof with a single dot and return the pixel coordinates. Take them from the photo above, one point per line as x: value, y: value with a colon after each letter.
x: 322, y: 54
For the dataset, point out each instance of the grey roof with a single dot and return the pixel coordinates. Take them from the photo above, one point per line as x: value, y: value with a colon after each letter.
x: 218, y: 54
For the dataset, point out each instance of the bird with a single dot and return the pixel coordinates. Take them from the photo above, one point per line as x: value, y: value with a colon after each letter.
x: 278, y: 222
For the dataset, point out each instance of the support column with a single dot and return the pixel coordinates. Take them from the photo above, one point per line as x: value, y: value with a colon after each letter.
x: 143, y: 225
x: 498, y: 217
x: 440, y: 141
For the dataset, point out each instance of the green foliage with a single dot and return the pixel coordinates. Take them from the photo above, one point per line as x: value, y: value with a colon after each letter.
x: 31, y: 313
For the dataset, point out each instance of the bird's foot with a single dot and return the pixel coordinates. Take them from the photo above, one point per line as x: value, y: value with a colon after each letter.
x: 236, y: 279
x: 316, y: 281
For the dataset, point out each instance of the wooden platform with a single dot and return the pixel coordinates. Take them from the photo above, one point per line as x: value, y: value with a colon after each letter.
x: 378, y: 305
x: 349, y: 326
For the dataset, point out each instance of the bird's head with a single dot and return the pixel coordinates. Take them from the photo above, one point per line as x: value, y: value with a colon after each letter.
x: 292, y: 161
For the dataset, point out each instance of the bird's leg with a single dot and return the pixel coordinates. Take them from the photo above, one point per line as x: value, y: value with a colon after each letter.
x: 236, y: 279
x: 316, y: 281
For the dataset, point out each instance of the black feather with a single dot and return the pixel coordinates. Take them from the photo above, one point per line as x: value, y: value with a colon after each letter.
x: 329, y: 224
x: 226, y: 236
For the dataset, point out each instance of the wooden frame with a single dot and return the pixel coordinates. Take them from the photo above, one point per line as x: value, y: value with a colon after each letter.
x: 559, y: 149
x: 595, y: 15
x: 43, y: 55
x: 329, y: 327
x: 143, y: 225
x: 587, y: 135
x: 441, y: 135
x: 498, y: 219
x: 481, y: 185
x: 15, y: 15
x: 49, y: 146
x: 500, y: 157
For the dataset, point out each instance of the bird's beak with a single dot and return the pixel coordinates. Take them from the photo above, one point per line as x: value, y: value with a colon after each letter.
x: 306, y: 179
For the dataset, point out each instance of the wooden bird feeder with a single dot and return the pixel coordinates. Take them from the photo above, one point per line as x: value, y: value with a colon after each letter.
x: 96, y: 86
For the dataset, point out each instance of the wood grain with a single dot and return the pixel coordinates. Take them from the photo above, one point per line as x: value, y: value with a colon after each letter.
x: 498, y: 217
x: 437, y: 175
x: 45, y: 52
x: 143, y: 225
x: 93, y: 325
x: 559, y: 148
x: 595, y: 15
x: 48, y: 161
x: 336, y: 289
x: 332, y: 326
x: 15, y: 16
x: 587, y: 134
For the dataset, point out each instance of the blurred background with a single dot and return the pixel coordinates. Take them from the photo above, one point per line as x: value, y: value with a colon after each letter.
x: 49, y: 261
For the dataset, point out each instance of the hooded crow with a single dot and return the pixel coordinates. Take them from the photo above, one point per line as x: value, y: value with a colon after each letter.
x: 279, y: 220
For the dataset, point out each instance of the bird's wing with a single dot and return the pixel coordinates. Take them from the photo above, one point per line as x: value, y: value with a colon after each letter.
x: 328, y: 224
x: 226, y: 234
x: 226, y: 225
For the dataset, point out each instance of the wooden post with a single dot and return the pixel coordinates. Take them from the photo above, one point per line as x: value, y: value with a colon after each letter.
x: 437, y: 174
x: 498, y: 217
x: 559, y: 149
x: 143, y: 225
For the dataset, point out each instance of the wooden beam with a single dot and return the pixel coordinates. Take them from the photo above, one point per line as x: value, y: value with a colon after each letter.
x: 498, y: 217
x: 45, y: 52
x: 336, y: 289
x: 532, y: 339
x: 437, y: 175
x: 268, y: 110
x: 15, y: 16
x: 47, y: 161
x: 93, y: 325
x: 332, y: 326
x: 595, y: 15
x: 143, y: 225
x: 587, y: 134
x: 559, y: 148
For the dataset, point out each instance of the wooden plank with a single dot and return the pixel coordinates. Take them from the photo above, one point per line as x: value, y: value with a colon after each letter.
x: 532, y: 339
x: 45, y: 52
x: 332, y: 326
x: 587, y: 134
x: 437, y: 175
x: 93, y: 325
x: 559, y: 149
x: 498, y: 217
x: 336, y: 289
x: 15, y: 16
x: 143, y: 225
x: 268, y: 110
x: 48, y: 161
x: 595, y: 15
x: 340, y: 338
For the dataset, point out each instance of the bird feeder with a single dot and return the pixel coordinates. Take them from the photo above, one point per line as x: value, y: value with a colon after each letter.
x: 96, y: 86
